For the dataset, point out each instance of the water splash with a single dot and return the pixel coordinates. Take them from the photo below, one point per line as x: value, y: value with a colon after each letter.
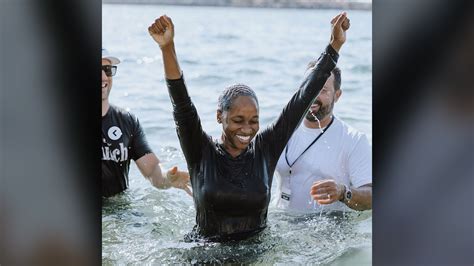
x: 322, y: 131
x: 319, y: 122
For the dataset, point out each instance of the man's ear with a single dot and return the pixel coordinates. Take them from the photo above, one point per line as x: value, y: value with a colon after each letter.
x: 219, y: 116
x: 338, y: 94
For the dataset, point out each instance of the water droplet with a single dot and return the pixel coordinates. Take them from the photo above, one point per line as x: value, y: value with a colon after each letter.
x: 319, y: 122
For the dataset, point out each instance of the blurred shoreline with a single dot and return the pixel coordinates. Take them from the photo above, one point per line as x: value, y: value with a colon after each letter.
x: 315, y: 4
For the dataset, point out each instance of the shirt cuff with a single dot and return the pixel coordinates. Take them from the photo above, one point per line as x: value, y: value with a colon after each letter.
x: 333, y: 53
x: 177, y: 90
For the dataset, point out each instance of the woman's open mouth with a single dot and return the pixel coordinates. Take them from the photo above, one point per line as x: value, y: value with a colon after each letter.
x: 243, y: 139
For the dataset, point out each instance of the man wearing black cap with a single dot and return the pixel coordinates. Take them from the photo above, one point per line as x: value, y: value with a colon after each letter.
x: 123, y: 139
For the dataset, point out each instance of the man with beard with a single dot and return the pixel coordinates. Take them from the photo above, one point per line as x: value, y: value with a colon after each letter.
x: 326, y: 161
x: 123, y: 139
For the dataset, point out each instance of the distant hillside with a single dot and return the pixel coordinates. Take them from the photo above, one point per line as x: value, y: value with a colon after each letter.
x: 321, y: 4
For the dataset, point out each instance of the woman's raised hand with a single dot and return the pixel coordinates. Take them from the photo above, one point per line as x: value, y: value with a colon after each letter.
x: 162, y: 31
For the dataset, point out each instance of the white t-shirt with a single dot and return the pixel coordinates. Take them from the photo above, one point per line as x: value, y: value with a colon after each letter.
x: 342, y: 153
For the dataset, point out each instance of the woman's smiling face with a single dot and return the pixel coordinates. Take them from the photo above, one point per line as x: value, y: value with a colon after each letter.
x: 239, y: 124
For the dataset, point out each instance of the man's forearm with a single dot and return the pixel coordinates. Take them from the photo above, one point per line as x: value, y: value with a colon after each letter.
x: 361, y: 198
x: 157, y: 179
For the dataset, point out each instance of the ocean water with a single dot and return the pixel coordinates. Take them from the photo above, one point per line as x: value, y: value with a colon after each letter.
x: 267, y: 49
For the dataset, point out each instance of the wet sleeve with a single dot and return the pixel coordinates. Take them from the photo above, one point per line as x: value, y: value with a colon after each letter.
x: 274, y: 138
x: 139, y: 146
x: 360, y: 163
x: 188, y: 124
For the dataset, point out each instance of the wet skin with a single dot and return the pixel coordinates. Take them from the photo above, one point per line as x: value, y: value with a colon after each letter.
x: 239, y: 124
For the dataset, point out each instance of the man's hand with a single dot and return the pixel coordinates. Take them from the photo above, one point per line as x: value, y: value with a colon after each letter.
x: 340, y: 24
x: 179, y: 179
x: 162, y: 31
x: 327, y: 191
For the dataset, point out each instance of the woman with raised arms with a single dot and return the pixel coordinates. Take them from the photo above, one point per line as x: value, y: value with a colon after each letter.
x: 232, y: 177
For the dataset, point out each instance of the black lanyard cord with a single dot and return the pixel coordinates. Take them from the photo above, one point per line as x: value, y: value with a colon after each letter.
x: 307, y: 148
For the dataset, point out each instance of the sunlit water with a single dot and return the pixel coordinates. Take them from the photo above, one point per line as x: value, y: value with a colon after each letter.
x: 267, y: 49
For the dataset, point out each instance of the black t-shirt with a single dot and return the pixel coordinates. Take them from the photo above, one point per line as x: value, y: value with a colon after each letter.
x: 231, y: 195
x: 122, y: 139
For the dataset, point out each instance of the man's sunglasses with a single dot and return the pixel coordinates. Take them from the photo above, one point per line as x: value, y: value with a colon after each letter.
x: 109, y: 70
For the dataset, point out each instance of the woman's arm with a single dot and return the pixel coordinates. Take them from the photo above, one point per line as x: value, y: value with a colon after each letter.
x: 188, y: 125
x: 162, y: 31
x: 276, y: 136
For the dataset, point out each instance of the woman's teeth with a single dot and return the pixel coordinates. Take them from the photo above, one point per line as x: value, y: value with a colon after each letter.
x: 243, y: 138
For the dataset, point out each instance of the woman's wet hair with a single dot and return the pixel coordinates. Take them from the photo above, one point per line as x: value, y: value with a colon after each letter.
x: 336, y: 72
x: 232, y: 92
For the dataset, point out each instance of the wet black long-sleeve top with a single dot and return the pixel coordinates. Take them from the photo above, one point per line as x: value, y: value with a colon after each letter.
x: 231, y: 195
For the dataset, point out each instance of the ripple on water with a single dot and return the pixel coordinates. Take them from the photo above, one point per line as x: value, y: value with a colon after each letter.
x: 287, y: 239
